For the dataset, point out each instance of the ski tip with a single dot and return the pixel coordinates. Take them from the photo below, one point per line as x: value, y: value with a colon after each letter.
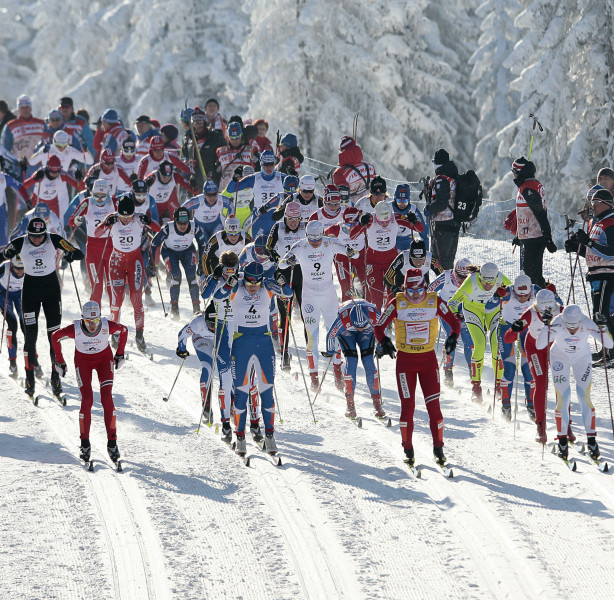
x: 449, y: 473
x: 573, y: 465
x: 604, y: 467
x: 359, y: 423
x: 248, y: 462
x: 119, y: 467
x: 389, y: 422
x: 90, y: 466
x: 279, y: 463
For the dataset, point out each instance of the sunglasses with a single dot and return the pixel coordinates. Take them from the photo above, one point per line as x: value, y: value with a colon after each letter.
x: 416, y: 290
x: 109, y: 164
x: 329, y: 203
x: 308, y: 191
x: 36, y: 235
x: 212, y: 195
x: 378, y: 193
x: 100, y: 196
x: 55, y: 119
x: 250, y: 281
x: 488, y: 280
x: 129, y: 149
x: 93, y: 321
x: 61, y: 145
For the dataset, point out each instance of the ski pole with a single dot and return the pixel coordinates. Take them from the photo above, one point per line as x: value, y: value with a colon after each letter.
x: 607, y: 381
x: 323, y: 378
x: 158, y: 282
x: 497, y: 384
x: 517, y: 383
x: 6, y: 304
x: 535, y: 122
x: 572, y: 291
x: 277, y: 407
x: 75, y: 282
x: 302, y: 372
x: 174, y: 382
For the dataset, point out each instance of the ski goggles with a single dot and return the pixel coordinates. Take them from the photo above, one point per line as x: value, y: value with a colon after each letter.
x: 129, y: 149
x: 100, y: 196
x: 417, y: 290
x: 61, y: 146
x: 92, y: 321
x: 307, y: 191
x: 489, y: 280
x: 252, y: 280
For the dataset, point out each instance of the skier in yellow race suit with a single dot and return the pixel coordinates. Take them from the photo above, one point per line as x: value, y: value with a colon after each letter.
x: 472, y: 296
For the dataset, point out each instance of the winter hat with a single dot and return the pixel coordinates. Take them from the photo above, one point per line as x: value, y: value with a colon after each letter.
x: 603, y: 196
x: 331, y: 193
x: 90, y: 310
x: 61, y: 138
x: 346, y: 142
x: 290, y: 184
x: 606, y: 172
x: 24, y: 100
x: 267, y: 158
x: 156, y: 143
x: 54, y: 164
x: 292, y: 210
x: 417, y: 249
x: 110, y: 116
x: 36, y: 226
x: 350, y: 215
x: 67, y: 101
x: 166, y: 168
x: 308, y: 183
x: 378, y: 185
x: 214, y: 102
x: 181, y: 215
x: 143, y: 119
x: 235, y: 131
x: 259, y: 122
x: 441, y: 157
x: 54, y: 114
x: 402, y: 192
x: 414, y: 278
x: 125, y: 206
x: 591, y: 191
x: 107, y: 156
x: 42, y: 210
x: 344, y: 192
x: 523, y: 167
x: 289, y: 140
x: 522, y: 284
x: 170, y: 131
x: 210, y: 187
x: 139, y: 187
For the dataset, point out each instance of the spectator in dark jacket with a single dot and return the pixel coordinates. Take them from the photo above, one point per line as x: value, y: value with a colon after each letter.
x: 5, y: 115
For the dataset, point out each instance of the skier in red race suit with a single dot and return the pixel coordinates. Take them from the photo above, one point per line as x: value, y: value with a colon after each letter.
x: 352, y: 171
x: 93, y: 353
x: 126, y: 262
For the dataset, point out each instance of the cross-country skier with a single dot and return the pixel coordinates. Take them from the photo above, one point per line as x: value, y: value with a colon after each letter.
x: 93, y: 353
x: 41, y: 288
x: 416, y: 257
x: 402, y: 205
x: 306, y: 197
x: 119, y: 181
x: 11, y: 283
x: 231, y: 238
x: 414, y: 312
x: 568, y: 333
x: 252, y: 348
x: 353, y: 329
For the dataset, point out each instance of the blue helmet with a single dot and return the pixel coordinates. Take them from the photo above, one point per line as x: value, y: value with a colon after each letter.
x: 253, y: 272
x: 210, y: 187
x: 42, y: 210
x: 260, y: 247
x: 402, y: 193
x: 359, y: 316
x: 290, y: 184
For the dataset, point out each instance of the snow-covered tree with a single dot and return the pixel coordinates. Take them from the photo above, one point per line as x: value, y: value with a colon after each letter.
x: 491, y: 88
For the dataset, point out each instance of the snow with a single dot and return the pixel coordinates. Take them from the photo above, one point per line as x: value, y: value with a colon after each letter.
x: 342, y: 518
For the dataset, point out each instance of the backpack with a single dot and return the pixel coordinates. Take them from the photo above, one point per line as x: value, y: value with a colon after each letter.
x: 468, y: 197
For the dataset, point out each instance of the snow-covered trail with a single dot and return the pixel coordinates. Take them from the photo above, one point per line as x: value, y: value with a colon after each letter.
x: 343, y: 518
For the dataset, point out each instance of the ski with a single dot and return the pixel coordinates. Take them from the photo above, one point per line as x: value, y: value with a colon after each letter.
x: 447, y: 471
x: 243, y: 456
x: 385, y: 421
x: 34, y: 399
x: 600, y: 464
x: 416, y: 471
x: 59, y: 397
x: 273, y: 457
x: 570, y: 464
x: 357, y: 421
x: 144, y: 353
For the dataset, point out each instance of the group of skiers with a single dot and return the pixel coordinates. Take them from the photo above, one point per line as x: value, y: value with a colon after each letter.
x: 253, y: 239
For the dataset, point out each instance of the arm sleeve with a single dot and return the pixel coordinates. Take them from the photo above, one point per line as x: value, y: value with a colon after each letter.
x: 450, y: 318
x: 335, y: 329
x: 605, y: 250
x: 57, y: 336
x: 61, y: 244
x: 390, y: 278
x: 115, y: 327
x: 390, y: 313
x: 159, y: 238
x: 534, y: 201
x: 542, y: 339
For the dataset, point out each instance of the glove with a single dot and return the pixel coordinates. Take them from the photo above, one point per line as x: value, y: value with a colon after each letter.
x: 350, y: 251
x: 182, y: 353
x: 388, y: 347
x: 39, y: 175
x: 133, y: 177
x: 232, y: 281
x: 218, y: 272
x: 516, y: 242
x: 517, y: 326
x: 551, y: 246
x: 23, y: 164
x: 9, y: 251
x: 192, y: 181
x: 238, y: 173
x: 450, y: 344
x: 61, y: 368
x: 69, y: 257
x: 119, y: 359
x: 46, y: 148
x: 546, y: 317
x: 149, y: 181
x: 583, y: 238
x: 151, y: 271
x: 78, y: 174
x: 571, y: 245
x: 327, y: 354
x: 145, y: 219
x: 263, y: 210
x: 78, y: 221
x: 274, y: 256
x: 280, y: 279
x: 411, y: 217
x: 110, y: 220
x: 501, y: 292
x: 601, y: 322
x: 290, y: 259
x: 365, y: 219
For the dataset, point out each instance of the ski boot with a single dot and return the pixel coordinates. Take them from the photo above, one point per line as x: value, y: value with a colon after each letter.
x: 56, y: 384
x: 440, y: 457
x: 270, y: 447
x: 409, y: 456
x: 593, y: 448
x: 13, y: 369
x: 339, y: 383
x: 175, y: 311
x: 448, y: 377
x: 350, y: 413
x: 541, y: 436
x: 113, y: 450
x: 241, y: 445
x: 571, y: 436
x: 530, y: 410
x: 476, y: 392
x: 195, y: 308
x: 285, y: 363
x: 506, y: 412
x: 140, y: 341
x: 254, y: 429
x: 226, y: 432
x: 30, y: 382
x: 315, y: 382
x: 377, y: 406
x: 563, y: 449
x: 85, y: 450
x: 149, y: 301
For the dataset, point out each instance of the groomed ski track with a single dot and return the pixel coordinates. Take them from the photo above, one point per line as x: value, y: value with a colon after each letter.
x: 342, y: 518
